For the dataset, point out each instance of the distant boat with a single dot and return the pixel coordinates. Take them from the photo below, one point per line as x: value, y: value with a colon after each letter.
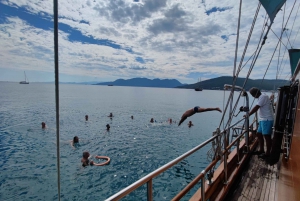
x: 26, y: 80
x: 110, y: 85
x: 199, y: 88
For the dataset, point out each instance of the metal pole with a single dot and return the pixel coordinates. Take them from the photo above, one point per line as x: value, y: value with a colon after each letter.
x: 203, y: 187
x: 149, y: 190
x: 225, y: 162
x: 55, y: 13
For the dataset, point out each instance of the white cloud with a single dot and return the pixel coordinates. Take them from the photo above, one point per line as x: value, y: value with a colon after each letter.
x: 175, y: 39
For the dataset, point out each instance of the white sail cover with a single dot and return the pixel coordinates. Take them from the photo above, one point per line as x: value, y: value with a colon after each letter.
x: 272, y: 7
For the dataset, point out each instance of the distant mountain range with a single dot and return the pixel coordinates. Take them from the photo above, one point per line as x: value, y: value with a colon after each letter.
x: 218, y: 83
x: 144, y: 82
x: 212, y: 84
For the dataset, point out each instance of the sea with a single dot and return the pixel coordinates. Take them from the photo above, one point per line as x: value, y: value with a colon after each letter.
x: 136, y: 147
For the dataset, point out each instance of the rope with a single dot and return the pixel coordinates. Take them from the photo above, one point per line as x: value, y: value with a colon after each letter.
x: 55, y: 11
x: 294, y: 23
x: 279, y: 42
x: 237, y: 38
x: 253, y: 61
x: 235, y: 78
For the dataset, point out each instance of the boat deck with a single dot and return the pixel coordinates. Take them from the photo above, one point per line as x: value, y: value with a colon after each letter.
x: 258, y: 182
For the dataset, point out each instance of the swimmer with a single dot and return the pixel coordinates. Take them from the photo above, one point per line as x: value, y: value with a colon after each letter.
x: 107, y: 127
x: 195, y: 110
x: 85, y: 159
x: 131, y: 117
x: 190, y: 124
x: 170, y: 121
x: 86, y: 117
x: 151, y: 120
x: 111, y: 115
x: 43, y: 125
x: 75, y: 140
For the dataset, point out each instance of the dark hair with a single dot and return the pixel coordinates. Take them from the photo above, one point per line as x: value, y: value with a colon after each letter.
x: 75, y: 139
x: 85, y: 154
x: 254, y: 91
x: 43, y: 125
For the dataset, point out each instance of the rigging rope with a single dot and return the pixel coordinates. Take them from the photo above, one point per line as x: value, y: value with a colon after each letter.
x: 294, y: 23
x: 280, y: 41
x: 235, y: 78
x: 255, y: 53
x: 275, y: 49
x: 280, y: 69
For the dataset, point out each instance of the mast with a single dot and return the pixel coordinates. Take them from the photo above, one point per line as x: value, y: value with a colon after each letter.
x: 55, y: 16
x: 25, y: 76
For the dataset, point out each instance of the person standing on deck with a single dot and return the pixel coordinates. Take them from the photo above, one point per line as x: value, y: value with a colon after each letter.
x: 266, y: 120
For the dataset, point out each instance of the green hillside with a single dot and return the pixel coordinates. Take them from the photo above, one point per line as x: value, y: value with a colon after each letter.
x: 218, y: 83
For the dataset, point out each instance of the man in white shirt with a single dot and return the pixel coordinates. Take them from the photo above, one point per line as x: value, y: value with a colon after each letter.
x: 266, y: 120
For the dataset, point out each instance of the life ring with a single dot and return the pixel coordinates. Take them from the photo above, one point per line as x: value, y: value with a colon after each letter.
x: 102, y: 157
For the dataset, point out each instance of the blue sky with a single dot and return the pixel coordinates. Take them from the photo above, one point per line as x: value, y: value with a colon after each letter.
x: 107, y: 40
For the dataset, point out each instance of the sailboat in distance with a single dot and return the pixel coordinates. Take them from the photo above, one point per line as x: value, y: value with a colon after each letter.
x: 199, y: 88
x: 26, y: 80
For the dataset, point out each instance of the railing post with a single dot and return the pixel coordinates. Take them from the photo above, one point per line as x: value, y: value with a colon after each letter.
x: 149, y: 190
x: 247, y: 122
x: 203, y: 186
x: 238, y: 150
x: 225, y: 162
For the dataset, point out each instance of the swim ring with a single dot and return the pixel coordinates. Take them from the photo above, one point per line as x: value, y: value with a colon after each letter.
x: 102, y: 157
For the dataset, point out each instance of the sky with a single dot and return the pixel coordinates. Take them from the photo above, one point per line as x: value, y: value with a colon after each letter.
x: 105, y: 40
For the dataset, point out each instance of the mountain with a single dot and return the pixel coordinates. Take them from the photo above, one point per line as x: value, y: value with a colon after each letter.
x: 218, y: 83
x: 144, y: 82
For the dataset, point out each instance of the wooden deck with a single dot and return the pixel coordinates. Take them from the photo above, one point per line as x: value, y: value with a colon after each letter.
x: 257, y: 182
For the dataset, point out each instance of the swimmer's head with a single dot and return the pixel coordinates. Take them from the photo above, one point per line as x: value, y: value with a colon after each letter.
x: 86, y: 117
x: 75, y: 139
x: 85, y: 155
x: 43, y: 125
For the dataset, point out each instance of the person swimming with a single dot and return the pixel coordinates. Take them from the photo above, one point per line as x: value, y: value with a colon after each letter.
x: 43, y: 125
x: 151, y: 120
x: 111, y: 115
x: 107, y: 127
x: 131, y: 117
x: 190, y: 124
x: 85, y: 159
x: 86, y: 117
x: 75, y: 140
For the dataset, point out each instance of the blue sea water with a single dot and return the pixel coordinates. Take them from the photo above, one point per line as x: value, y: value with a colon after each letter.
x: 136, y: 147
